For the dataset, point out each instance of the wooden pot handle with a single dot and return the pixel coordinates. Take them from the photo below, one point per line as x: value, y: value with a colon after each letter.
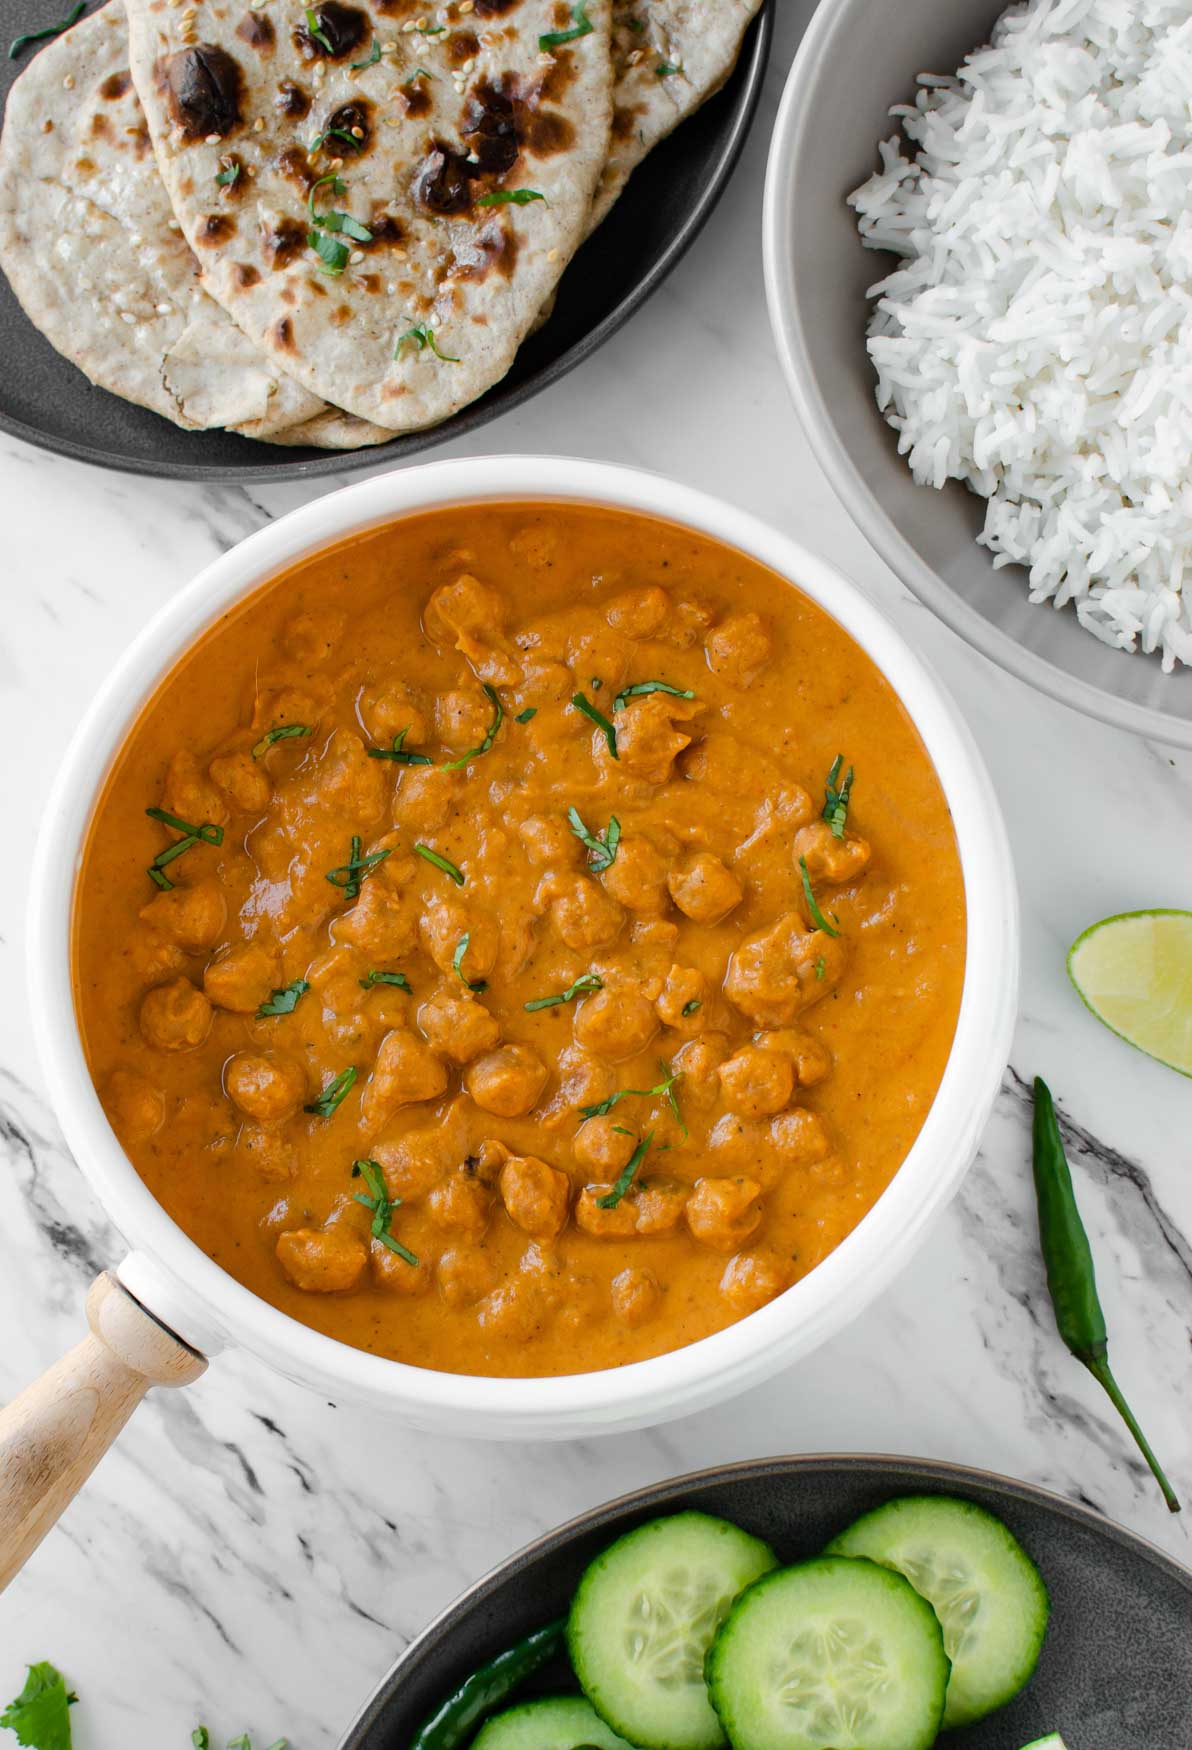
x: 54, y: 1434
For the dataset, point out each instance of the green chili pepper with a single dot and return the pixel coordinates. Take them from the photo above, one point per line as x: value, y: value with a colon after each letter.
x: 454, y: 1723
x: 1071, y: 1277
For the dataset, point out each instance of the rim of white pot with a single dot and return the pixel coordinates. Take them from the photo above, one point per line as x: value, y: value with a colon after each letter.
x: 186, y: 1288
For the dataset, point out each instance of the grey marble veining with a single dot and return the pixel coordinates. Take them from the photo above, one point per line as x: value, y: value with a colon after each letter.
x: 255, y: 1557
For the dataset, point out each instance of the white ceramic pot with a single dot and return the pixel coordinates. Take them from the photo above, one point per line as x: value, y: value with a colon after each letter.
x: 191, y: 1296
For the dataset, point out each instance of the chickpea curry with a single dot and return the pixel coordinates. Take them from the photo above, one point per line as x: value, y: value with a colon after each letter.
x: 521, y: 940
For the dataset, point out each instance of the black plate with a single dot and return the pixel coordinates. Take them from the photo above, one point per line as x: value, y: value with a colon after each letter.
x: 1116, y: 1670
x: 46, y: 401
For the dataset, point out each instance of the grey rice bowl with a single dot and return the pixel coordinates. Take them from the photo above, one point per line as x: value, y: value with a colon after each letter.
x: 852, y: 67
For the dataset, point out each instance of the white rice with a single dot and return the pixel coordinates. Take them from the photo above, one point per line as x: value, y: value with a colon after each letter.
x: 1036, y: 341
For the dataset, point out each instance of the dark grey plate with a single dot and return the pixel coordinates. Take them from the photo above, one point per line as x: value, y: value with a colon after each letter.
x: 1116, y: 1671
x: 46, y: 401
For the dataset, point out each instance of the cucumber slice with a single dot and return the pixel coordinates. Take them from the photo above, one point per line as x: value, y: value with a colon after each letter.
x: 563, y: 1722
x: 829, y: 1654
x: 643, y: 1619
x: 983, y: 1586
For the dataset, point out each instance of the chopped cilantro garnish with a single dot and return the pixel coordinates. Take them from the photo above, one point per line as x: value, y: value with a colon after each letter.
x: 524, y: 716
x: 397, y: 978
x: 440, y: 862
x: 382, y: 1206
x: 457, y: 963
x: 333, y: 1094
x: 603, y: 1107
x: 473, y: 753
x: 315, y: 30
x: 510, y: 197
x: 692, y: 1006
x: 582, y: 26
x: 642, y: 687
x: 373, y: 57
x: 627, y: 1174
x: 284, y: 732
x: 422, y: 335
x: 817, y: 916
x: 585, y: 705
x: 398, y: 752
x: 227, y: 176
x: 207, y: 834
x: 349, y: 875
x: 836, y: 797
x: 664, y: 70
x: 40, y: 1715
x: 283, y: 1001
x: 602, y: 850
x: 585, y: 982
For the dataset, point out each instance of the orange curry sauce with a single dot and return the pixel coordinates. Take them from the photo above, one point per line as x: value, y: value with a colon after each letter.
x: 803, y: 1062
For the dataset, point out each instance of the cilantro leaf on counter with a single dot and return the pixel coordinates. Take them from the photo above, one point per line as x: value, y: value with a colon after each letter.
x: 40, y: 1715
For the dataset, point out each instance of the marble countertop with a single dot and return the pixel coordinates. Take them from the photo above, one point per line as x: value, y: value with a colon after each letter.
x: 255, y: 1557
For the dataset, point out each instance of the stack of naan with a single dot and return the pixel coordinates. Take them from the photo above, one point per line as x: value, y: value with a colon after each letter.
x: 328, y: 225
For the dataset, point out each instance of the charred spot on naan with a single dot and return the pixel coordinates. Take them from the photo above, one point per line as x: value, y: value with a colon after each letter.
x: 258, y: 32
x: 294, y: 164
x: 355, y: 120
x: 281, y: 335
x: 282, y: 241
x: 244, y: 276
x: 292, y: 100
x: 387, y: 230
x: 494, y: 8
x: 203, y: 88
x: 213, y: 229
x: 492, y: 249
x: 417, y: 100
x: 116, y: 85
x: 337, y: 30
x: 492, y: 126
x: 443, y: 182
x: 462, y: 46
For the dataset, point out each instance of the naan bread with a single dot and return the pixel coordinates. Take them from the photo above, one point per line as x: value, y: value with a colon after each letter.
x: 427, y: 119
x: 91, y: 248
x: 669, y: 56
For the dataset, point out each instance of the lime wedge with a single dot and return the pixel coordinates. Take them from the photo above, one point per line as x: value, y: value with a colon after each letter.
x: 1134, y: 972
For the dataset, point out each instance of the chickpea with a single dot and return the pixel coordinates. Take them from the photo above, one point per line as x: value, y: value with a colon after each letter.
x: 639, y: 613
x: 800, y: 1137
x: 752, y: 1278
x: 465, y: 1275
x: 135, y: 1107
x: 615, y: 1024
x: 268, y: 1088
x: 602, y: 1146
x: 724, y: 1213
x: 242, y: 781
x: 739, y: 647
x: 175, y: 1016
x: 461, y: 1205
x: 193, y: 917
x: 406, y: 1072
x: 756, y: 1083
x: 241, y: 977
x: 458, y: 1026
x: 636, y: 1296
x: 704, y: 890
x: 535, y: 1196
x: 322, y: 1260
x: 390, y: 1270
x: 506, y: 1082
